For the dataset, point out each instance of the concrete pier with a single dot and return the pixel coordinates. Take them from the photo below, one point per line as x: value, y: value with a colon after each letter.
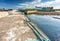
x: 14, y: 28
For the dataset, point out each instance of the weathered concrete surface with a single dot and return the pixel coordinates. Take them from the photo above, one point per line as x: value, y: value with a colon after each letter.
x: 13, y: 28
x: 3, y: 14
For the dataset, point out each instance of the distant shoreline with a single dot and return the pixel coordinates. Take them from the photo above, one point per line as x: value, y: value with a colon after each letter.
x: 44, y: 13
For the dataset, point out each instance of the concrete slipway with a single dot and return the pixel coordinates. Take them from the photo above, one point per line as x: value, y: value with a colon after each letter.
x: 16, y: 27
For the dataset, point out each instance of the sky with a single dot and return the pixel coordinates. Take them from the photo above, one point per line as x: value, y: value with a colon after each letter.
x: 29, y: 3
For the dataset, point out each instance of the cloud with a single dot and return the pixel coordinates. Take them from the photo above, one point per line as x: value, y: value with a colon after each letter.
x: 15, y: 1
x: 12, y: 3
x: 54, y: 3
x: 29, y: 4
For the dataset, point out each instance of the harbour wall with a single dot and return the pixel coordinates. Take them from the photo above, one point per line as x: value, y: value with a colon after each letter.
x: 43, y: 13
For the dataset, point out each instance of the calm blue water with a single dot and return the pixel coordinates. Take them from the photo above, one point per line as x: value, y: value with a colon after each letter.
x: 49, y: 25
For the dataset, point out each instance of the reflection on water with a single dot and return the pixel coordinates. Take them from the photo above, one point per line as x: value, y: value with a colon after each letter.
x: 56, y: 17
x: 49, y: 25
